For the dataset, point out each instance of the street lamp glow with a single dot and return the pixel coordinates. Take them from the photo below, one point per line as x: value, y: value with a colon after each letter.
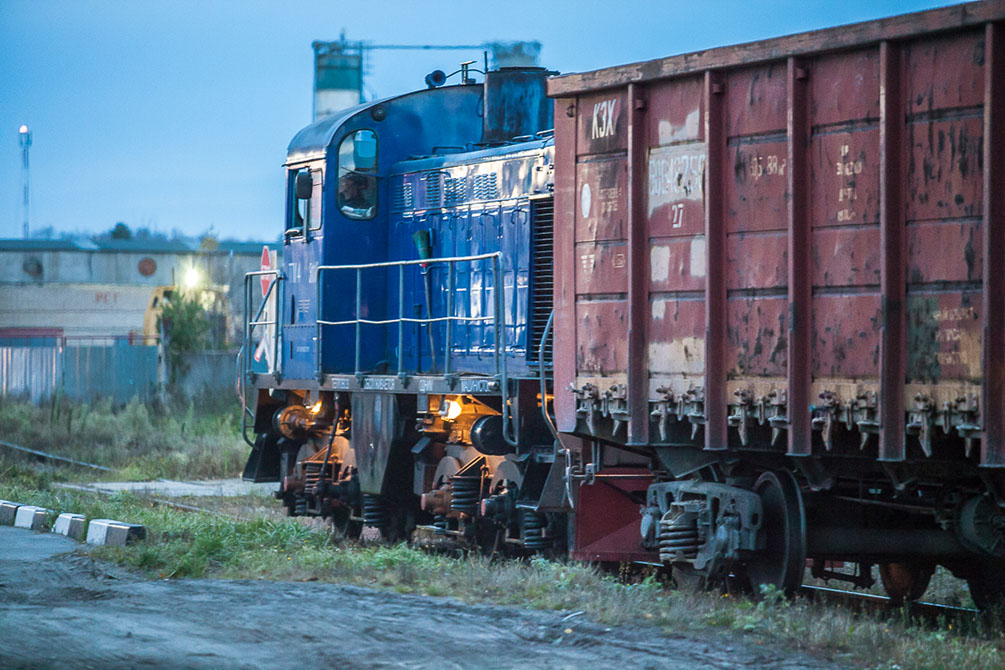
x: 192, y: 277
x: 23, y: 129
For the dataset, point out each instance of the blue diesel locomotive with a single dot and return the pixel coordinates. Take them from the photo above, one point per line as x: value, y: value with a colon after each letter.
x: 746, y: 377
x: 400, y: 356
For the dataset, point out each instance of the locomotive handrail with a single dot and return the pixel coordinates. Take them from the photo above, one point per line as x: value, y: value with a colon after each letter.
x: 498, y: 317
x: 245, y: 357
x: 416, y: 261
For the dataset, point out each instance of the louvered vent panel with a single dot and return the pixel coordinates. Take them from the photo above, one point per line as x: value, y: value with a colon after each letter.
x: 433, y: 191
x: 453, y: 190
x: 402, y: 198
x: 542, y: 275
x: 485, y: 187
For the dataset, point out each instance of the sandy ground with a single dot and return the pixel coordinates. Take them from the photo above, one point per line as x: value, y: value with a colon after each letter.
x: 65, y: 610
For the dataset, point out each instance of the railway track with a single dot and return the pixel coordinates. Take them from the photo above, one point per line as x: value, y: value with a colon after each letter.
x: 930, y: 613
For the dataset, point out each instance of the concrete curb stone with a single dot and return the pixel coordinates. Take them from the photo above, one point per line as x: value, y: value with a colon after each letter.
x: 70, y: 525
x: 116, y: 533
x: 8, y: 512
x: 31, y: 517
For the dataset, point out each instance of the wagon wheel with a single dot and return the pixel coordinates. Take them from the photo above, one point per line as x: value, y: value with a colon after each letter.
x: 905, y: 582
x: 986, y: 579
x: 780, y: 564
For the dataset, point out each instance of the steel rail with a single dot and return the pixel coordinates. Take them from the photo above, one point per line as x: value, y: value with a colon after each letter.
x: 53, y: 457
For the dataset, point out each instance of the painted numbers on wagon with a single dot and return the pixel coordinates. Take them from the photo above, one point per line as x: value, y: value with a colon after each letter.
x: 848, y: 169
x: 676, y: 174
x: 770, y: 166
x: 603, y: 118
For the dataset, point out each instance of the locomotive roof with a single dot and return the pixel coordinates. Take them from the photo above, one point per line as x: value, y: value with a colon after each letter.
x: 312, y: 140
x: 443, y: 160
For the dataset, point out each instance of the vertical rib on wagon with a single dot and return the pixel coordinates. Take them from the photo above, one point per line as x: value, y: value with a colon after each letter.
x: 893, y: 287
x: 638, y: 271
x: 564, y: 338
x: 800, y: 269
x: 716, y: 405
x: 993, y: 391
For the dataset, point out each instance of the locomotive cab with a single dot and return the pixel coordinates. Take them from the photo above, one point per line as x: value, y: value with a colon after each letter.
x: 408, y: 313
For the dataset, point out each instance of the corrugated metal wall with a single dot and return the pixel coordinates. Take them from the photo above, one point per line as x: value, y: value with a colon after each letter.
x: 38, y: 368
x: 32, y: 372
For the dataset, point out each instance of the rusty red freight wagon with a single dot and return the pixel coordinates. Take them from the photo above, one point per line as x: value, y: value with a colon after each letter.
x: 784, y: 285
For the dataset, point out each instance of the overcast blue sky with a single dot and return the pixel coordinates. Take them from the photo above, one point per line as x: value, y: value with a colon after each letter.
x: 176, y: 115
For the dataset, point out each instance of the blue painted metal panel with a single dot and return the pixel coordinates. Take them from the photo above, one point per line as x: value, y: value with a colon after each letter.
x: 474, y: 200
x: 120, y: 372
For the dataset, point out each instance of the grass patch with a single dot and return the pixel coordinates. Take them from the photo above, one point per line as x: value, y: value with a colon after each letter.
x: 182, y: 544
x: 141, y: 441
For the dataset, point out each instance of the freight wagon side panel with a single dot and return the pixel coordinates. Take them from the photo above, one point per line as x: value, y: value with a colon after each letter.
x: 785, y: 243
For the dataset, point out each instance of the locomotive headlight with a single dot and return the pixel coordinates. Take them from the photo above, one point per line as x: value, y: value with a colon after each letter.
x: 316, y: 408
x: 453, y: 410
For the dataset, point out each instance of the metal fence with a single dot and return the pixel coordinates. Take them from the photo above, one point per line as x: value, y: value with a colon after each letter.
x: 85, y: 369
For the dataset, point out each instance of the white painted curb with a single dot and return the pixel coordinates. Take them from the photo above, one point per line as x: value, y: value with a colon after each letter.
x: 31, y: 517
x: 70, y: 525
x: 8, y: 512
x: 116, y: 533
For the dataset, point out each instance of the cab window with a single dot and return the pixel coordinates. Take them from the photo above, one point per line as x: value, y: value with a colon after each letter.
x: 357, y: 175
x: 305, y: 210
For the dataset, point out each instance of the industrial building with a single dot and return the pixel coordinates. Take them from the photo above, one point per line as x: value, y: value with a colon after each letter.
x: 79, y: 287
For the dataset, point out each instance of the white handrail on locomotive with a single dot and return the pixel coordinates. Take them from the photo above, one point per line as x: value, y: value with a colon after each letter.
x: 498, y: 319
x: 243, y: 361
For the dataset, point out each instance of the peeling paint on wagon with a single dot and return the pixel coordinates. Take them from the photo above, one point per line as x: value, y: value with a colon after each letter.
x: 801, y: 120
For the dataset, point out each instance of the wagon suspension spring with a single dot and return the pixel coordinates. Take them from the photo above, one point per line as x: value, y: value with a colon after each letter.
x: 466, y: 493
x: 534, y: 525
x: 678, y: 536
x: 375, y: 512
x: 439, y: 525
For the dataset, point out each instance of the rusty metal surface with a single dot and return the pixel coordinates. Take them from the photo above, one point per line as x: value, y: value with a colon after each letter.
x: 800, y: 279
x: 716, y: 328
x: 891, y: 236
x: 841, y: 38
x: 810, y: 244
x: 993, y: 372
x: 638, y: 278
x: 564, y: 347
x: 611, y: 501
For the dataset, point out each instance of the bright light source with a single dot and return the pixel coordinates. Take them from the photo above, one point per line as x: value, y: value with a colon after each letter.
x: 316, y: 408
x: 192, y: 277
x: 453, y: 410
x: 23, y: 129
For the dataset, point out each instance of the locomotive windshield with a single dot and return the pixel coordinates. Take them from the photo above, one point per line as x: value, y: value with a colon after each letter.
x: 357, y: 167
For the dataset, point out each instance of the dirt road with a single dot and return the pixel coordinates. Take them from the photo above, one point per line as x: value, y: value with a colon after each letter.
x: 64, y: 610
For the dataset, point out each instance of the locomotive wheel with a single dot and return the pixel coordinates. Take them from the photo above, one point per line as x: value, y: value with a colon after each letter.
x: 781, y: 563
x: 341, y: 523
x: 905, y: 582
